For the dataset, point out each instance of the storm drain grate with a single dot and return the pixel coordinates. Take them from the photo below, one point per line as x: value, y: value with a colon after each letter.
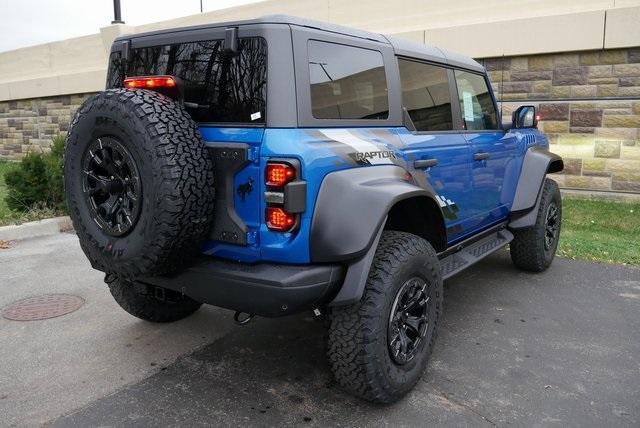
x: 42, y: 307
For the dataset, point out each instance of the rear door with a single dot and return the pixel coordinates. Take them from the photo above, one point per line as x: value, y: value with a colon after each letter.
x: 226, y: 94
x: 494, y: 161
x: 436, y: 149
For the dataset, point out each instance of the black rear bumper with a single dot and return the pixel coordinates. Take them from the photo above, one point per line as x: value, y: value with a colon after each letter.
x: 264, y: 289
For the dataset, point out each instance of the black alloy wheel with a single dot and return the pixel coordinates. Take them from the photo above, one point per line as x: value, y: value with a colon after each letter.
x: 408, y: 320
x: 552, y: 226
x: 111, y: 185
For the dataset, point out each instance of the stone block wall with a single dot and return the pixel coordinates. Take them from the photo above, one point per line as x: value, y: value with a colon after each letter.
x: 589, y: 103
x: 30, y: 125
x: 589, y: 107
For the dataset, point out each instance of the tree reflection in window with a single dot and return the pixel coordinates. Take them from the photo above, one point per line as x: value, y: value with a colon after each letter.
x: 218, y: 87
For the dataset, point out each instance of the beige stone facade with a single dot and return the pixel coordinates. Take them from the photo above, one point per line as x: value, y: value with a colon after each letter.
x: 30, y: 125
x: 589, y: 107
x: 577, y: 60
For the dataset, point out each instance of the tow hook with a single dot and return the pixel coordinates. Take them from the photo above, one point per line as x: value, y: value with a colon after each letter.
x: 242, y: 320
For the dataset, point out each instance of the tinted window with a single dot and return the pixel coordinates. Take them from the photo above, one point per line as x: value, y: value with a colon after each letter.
x: 217, y: 87
x: 426, y: 96
x: 476, y: 104
x: 347, y: 82
x: 115, y: 73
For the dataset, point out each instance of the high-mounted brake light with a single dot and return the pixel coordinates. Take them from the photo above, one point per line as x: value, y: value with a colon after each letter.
x: 280, y: 220
x: 279, y: 174
x: 149, y: 82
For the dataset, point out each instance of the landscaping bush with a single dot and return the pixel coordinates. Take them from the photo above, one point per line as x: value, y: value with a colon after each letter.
x: 37, y: 181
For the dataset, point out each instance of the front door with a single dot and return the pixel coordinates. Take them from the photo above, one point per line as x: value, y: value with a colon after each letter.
x: 494, y: 153
x: 439, y: 155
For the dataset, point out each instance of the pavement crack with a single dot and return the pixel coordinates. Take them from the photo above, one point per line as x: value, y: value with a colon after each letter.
x: 450, y: 398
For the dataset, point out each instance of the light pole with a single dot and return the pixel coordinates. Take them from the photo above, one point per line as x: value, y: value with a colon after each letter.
x: 117, y: 15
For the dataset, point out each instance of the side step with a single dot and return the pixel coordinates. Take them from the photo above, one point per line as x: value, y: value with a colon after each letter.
x: 454, y: 263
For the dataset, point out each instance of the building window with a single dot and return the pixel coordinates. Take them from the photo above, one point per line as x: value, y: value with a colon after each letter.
x: 476, y: 104
x: 347, y: 82
x: 426, y: 95
x: 218, y: 87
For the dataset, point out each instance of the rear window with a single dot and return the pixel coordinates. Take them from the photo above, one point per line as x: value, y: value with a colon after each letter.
x: 347, y: 82
x: 218, y: 87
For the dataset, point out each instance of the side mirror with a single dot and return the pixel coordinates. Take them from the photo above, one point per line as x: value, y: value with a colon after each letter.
x: 524, y: 117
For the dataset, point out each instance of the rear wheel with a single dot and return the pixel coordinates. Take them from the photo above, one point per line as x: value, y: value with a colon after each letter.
x: 150, y: 303
x: 379, y: 347
x: 533, y: 249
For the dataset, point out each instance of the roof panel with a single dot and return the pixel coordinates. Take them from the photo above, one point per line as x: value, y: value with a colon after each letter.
x: 416, y: 50
x: 400, y: 46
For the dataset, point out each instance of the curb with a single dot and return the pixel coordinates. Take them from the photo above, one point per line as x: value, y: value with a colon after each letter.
x: 599, y: 195
x: 34, y: 229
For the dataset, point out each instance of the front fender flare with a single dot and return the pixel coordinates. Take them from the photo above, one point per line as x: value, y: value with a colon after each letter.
x: 538, y: 162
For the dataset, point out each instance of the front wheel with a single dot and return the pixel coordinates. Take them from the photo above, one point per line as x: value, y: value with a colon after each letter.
x: 379, y: 347
x: 533, y: 249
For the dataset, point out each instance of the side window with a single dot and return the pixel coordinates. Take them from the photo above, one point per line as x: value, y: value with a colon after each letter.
x: 478, y: 111
x: 218, y: 87
x: 347, y: 82
x: 426, y: 95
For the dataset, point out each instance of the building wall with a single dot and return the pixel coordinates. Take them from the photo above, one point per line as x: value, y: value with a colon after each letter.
x: 30, y: 125
x: 577, y: 60
x: 589, y: 107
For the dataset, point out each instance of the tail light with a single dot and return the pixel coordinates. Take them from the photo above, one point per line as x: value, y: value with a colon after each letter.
x: 279, y: 174
x: 280, y: 220
x: 285, y: 194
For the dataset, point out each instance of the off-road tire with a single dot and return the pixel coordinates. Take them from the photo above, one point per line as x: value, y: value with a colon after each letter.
x: 358, y: 350
x: 175, y: 172
x: 528, y: 249
x: 145, y: 302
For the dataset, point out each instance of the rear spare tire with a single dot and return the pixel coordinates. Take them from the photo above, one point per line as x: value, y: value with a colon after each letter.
x: 138, y: 181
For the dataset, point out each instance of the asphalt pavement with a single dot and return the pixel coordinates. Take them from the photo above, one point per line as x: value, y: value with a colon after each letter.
x: 560, y: 348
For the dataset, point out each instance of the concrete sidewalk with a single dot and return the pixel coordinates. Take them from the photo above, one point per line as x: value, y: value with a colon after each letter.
x: 557, y: 349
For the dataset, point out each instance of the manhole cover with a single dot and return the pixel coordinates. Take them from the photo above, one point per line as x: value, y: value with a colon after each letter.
x: 42, y: 307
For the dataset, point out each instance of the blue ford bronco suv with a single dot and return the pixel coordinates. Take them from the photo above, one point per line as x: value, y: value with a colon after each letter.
x: 280, y: 165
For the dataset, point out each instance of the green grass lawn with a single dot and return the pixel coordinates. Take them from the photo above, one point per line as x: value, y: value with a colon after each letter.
x: 591, y: 230
x: 600, y: 231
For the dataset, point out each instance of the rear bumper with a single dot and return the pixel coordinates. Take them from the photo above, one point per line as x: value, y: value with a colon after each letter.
x: 264, y: 289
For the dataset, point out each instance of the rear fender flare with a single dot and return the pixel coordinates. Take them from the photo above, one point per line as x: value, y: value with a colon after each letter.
x: 350, y: 216
x: 352, y: 206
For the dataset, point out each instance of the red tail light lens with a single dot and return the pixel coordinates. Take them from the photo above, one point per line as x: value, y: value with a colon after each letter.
x: 280, y: 220
x: 279, y: 174
x: 149, y: 82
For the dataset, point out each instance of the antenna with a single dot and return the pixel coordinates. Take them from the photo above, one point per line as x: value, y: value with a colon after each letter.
x: 501, y: 86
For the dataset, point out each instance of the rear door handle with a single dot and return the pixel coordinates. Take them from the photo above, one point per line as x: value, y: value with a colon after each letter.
x: 425, y: 163
x: 481, y: 156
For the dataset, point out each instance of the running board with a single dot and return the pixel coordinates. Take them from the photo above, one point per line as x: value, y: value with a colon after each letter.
x: 454, y: 263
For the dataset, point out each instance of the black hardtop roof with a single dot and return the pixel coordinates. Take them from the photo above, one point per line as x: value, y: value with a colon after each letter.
x: 401, y: 46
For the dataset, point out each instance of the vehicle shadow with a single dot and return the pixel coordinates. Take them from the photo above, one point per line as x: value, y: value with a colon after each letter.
x: 271, y: 372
